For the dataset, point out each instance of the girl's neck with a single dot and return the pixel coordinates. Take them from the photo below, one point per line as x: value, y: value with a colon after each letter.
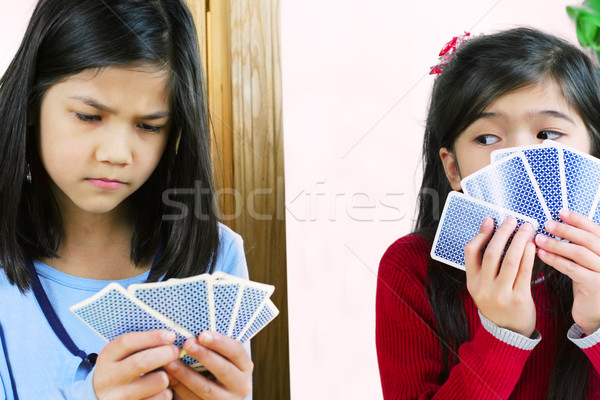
x: 96, y: 246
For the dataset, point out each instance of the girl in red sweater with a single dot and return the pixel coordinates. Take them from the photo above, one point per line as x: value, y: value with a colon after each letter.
x: 522, y: 326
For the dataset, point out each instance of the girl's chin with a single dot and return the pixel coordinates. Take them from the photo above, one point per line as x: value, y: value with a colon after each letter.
x: 98, y: 208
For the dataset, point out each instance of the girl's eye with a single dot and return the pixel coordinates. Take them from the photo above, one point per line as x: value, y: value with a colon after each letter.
x: 88, y: 118
x: 487, y: 140
x: 549, y: 135
x: 150, y: 128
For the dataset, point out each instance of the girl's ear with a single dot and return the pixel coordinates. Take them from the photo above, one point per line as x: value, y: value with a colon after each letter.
x: 451, y: 168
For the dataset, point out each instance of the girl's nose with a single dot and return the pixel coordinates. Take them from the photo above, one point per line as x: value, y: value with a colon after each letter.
x: 522, y: 138
x: 115, y: 149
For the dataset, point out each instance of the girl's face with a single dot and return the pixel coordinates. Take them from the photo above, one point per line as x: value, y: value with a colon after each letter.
x: 523, y: 117
x: 102, y: 134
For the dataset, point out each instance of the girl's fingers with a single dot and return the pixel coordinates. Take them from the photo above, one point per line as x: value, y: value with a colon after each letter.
x: 474, y: 248
x: 180, y: 390
x: 148, y: 360
x: 579, y: 221
x: 514, y: 255
x: 124, y: 360
x: 493, y: 253
x: 523, y: 279
x: 226, y: 359
x: 576, y: 272
x: 229, y: 348
x: 577, y: 235
x: 189, y: 384
x: 580, y: 254
x: 147, y: 386
x: 129, y: 343
x: 166, y: 394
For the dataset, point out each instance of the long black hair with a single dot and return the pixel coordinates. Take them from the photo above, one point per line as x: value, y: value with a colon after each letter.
x: 66, y: 37
x: 481, y: 71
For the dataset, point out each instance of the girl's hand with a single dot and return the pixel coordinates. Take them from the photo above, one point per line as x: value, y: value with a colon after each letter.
x: 225, y: 358
x: 579, y: 260
x: 501, y: 288
x: 126, y: 366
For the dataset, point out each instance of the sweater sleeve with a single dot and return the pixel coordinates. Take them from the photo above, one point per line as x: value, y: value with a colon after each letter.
x: 408, y: 345
x: 589, y: 344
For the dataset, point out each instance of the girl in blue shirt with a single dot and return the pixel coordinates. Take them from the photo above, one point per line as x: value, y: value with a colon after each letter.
x: 103, y: 116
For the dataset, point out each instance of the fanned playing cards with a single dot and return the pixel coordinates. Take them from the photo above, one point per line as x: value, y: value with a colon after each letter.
x: 531, y: 183
x: 235, y: 307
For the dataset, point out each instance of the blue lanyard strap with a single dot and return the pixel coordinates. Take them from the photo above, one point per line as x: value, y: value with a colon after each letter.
x: 53, y: 320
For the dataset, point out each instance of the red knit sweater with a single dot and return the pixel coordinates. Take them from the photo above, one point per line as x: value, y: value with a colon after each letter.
x: 409, y: 353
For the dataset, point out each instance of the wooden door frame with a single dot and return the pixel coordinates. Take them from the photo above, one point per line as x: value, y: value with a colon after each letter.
x: 240, y: 43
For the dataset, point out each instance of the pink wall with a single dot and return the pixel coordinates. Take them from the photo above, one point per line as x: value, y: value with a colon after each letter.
x: 14, y: 16
x: 355, y: 90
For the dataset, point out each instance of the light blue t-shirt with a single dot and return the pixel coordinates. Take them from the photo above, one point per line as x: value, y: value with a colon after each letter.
x: 34, y: 364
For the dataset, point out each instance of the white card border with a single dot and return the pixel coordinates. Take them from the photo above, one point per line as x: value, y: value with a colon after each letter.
x: 528, y: 170
x: 453, y: 194
x: 115, y: 286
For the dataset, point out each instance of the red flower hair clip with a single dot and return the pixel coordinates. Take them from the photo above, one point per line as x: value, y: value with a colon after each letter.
x: 448, y: 52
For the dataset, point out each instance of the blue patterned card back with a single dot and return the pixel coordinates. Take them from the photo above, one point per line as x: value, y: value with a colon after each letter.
x: 546, y: 162
x: 184, y: 301
x: 582, y: 178
x: 460, y: 223
x: 509, y: 184
x: 265, y: 314
x: 253, y: 296
x: 113, y: 312
x: 229, y: 305
x: 227, y: 296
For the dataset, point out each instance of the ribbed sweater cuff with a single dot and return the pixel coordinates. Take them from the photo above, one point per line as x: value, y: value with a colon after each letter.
x: 575, y: 335
x: 509, y: 337
x: 494, y: 361
x: 589, y: 344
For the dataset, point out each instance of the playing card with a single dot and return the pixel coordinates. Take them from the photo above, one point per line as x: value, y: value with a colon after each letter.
x: 509, y: 184
x: 188, y: 306
x: 546, y: 162
x: 227, y: 296
x: 261, y: 318
x: 253, y: 296
x: 113, y: 311
x: 460, y: 222
x: 184, y: 301
x: 595, y: 213
x: 582, y: 179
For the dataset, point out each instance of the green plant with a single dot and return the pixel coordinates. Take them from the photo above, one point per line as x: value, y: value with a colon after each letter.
x: 587, y: 23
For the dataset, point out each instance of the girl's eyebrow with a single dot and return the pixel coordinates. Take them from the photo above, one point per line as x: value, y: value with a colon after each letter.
x: 554, y: 114
x: 533, y: 114
x: 93, y: 103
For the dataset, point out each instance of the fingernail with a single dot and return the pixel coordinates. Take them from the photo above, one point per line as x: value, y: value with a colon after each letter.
x: 541, y: 252
x: 565, y: 213
x: 541, y: 238
x: 191, y: 344
x: 487, y: 221
x: 206, y: 337
x: 173, y: 365
x: 512, y: 220
x: 550, y: 225
x: 526, y: 227
x: 169, y: 336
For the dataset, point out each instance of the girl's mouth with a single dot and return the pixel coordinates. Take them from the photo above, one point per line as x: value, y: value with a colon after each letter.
x: 104, y: 183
